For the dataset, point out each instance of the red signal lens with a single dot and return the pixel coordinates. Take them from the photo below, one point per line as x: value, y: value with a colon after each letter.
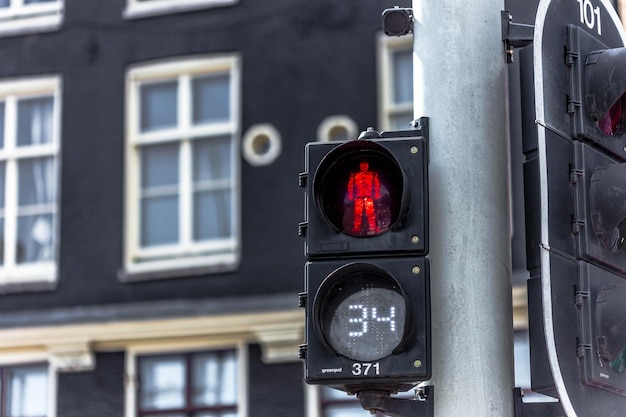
x: 360, y: 190
x: 614, y: 121
x: 366, y: 203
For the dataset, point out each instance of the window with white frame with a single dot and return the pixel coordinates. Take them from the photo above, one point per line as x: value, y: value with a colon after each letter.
x: 145, y: 8
x: 395, y: 73
x: 182, y: 166
x: 18, y: 17
x: 192, y: 384
x: 29, y: 147
x: 24, y: 390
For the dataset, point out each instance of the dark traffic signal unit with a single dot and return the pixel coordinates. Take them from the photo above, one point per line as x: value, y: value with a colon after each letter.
x: 575, y: 178
x: 367, y: 297
x: 599, y: 80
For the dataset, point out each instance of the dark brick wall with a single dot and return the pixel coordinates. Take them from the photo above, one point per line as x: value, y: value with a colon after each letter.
x: 99, y: 393
x: 275, y: 390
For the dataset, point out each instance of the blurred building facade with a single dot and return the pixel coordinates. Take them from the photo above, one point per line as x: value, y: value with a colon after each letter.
x: 149, y: 155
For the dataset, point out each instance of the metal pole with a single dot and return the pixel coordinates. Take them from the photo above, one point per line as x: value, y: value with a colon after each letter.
x: 461, y: 85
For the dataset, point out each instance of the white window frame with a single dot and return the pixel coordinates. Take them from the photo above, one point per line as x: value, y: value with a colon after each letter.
x: 136, y: 9
x: 134, y: 351
x: 26, y: 358
x: 35, y: 276
x: 213, y: 256
x: 21, y: 19
x: 387, y: 45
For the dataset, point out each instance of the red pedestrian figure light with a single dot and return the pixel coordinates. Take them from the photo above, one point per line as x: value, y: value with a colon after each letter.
x: 364, y: 213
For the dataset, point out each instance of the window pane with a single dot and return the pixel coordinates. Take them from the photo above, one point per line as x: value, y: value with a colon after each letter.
x: 159, y: 165
x: 4, y: 3
x: 34, y: 121
x: 159, y: 220
x: 211, y: 99
x: 403, y: 77
x: 521, y: 353
x: 2, y: 212
x: 212, y: 203
x: 215, y: 379
x: 159, y: 104
x: 36, y: 190
x: 2, y: 243
x: 26, y: 391
x: 400, y: 121
x: 162, y: 383
x: 212, y: 159
x: 39, y: 1
x: 229, y: 379
x: 35, y: 238
x: 160, y: 199
x: 1, y: 116
x: 212, y: 215
x: 346, y: 411
x: 339, y: 404
x: 2, y: 187
x: 36, y: 181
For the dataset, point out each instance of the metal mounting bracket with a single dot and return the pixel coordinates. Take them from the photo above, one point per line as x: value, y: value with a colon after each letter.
x: 545, y: 409
x: 422, y: 406
x: 515, y: 35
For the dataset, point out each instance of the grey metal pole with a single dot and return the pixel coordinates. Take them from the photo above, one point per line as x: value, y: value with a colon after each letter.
x: 460, y: 84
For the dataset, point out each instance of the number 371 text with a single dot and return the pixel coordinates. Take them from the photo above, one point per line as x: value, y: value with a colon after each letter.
x: 365, y: 369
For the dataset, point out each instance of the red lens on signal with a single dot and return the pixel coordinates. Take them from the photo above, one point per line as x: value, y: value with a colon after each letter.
x: 614, y: 121
x: 361, y: 189
x: 366, y: 203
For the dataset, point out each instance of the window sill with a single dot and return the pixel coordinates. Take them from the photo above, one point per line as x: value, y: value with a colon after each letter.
x: 30, y: 284
x: 30, y: 25
x: 136, y: 10
x: 179, y: 268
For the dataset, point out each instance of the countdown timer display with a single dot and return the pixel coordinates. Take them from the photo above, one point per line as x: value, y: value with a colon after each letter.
x: 364, y: 315
x: 368, y: 324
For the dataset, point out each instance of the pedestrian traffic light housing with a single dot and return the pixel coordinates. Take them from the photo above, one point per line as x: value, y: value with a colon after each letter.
x: 366, y: 197
x: 367, y: 297
x: 368, y: 323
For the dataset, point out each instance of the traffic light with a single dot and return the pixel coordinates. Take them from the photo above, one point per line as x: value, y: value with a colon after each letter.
x: 603, y: 329
x: 575, y: 182
x: 367, y: 297
x: 600, y: 215
x: 600, y: 191
x: 359, y: 194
